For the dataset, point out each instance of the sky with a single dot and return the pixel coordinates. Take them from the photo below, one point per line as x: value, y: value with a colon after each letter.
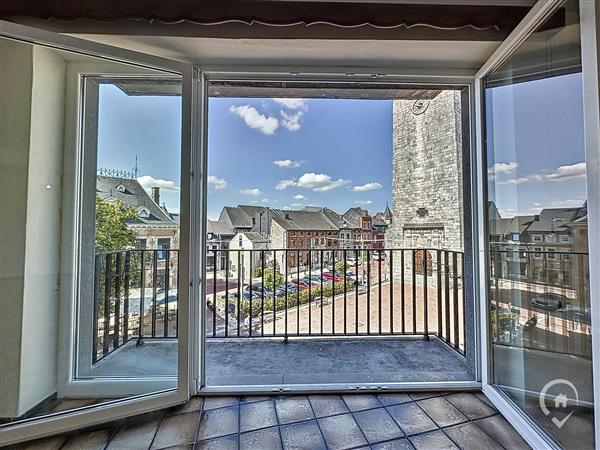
x: 289, y: 153
x: 536, y: 153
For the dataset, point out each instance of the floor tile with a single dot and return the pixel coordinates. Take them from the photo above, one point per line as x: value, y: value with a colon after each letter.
x: 398, y: 444
x: 134, y: 437
x: 502, y: 432
x: 435, y: 440
x: 257, y: 415
x: 218, y: 422
x: 302, y: 436
x: 293, y: 409
x: 393, y: 399
x: 327, y: 405
x: 193, y: 404
x: 360, y: 402
x: 255, y: 398
x: 51, y: 443
x: 267, y: 438
x: 222, y: 443
x: 411, y: 418
x: 176, y: 430
x: 442, y: 412
x: 469, y: 436
x: 481, y: 396
x: 89, y: 440
x: 470, y: 405
x: 424, y: 395
x: 377, y: 425
x: 219, y: 402
x: 341, y: 432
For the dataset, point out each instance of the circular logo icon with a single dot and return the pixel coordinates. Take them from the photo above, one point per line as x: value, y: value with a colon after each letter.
x: 559, y: 401
x: 419, y: 107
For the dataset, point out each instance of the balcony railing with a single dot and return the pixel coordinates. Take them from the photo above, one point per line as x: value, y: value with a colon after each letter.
x: 135, y: 297
x: 337, y: 292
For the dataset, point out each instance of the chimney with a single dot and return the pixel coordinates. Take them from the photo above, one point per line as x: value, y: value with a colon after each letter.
x: 287, y: 216
x: 156, y: 195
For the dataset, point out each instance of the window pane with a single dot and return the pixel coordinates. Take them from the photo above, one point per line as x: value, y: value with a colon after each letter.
x: 539, y: 296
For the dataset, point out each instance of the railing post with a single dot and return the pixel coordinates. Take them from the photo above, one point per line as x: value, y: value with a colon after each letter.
x: 226, y: 297
x: 333, y: 293
x: 455, y: 291
x: 126, y: 280
x: 140, y: 340
x: 425, y: 295
x: 414, y: 290
x: 391, y: 264
x: 167, y: 286
x: 154, y: 287
x: 368, y: 292
x: 107, y: 289
x: 379, y: 311
x: 117, y: 326
x: 447, y: 295
x: 97, y: 262
x: 214, y: 311
x: 439, y: 293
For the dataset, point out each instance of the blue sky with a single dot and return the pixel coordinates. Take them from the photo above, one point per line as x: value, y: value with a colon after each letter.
x: 536, y: 145
x: 288, y: 153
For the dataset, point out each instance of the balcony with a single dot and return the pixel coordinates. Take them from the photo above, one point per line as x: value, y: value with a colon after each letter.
x: 345, y: 316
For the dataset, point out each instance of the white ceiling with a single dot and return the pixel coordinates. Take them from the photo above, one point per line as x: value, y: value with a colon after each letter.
x: 408, y: 54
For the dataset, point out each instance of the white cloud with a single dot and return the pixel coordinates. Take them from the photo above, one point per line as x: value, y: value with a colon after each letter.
x: 503, y: 167
x: 148, y: 182
x: 283, y: 184
x: 265, y: 200
x: 255, y: 192
x: 299, y: 197
x: 254, y: 119
x: 522, y: 180
x: 568, y: 203
x: 216, y: 182
x: 287, y: 163
x: 576, y: 170
x: 291, y: 121
x: 291, y: 103
x: 296, y: 205
x: 362, y: 202
x: 367, y: 187
x: 320, y: 182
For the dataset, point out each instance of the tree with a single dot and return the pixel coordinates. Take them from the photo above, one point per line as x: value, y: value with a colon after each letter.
x: 269, y: 278
x: 112, y: 232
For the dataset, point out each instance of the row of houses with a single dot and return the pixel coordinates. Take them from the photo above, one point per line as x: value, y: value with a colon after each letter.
x: 548, y: 247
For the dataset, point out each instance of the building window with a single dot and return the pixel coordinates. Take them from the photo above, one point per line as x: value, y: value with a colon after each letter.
x: 163, y: 244
x: 564, y: 239
x: 537, y: 238
x: 140, y: 244
x: 537, y: 252
x: 240, y: 241
x: 551, y: 253
x: 550, y: 238
x: 515, y: 237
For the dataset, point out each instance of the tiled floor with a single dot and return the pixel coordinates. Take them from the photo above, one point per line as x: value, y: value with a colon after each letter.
x: 359, y: 421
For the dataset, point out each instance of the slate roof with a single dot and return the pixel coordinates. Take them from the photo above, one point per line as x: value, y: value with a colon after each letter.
x: 219, y: 228
x: 133, y: 195
x: 353, y: 216
x: 255, y: 237
x: 554, y: 219
x: 237, y: 217
x: 304, y: 220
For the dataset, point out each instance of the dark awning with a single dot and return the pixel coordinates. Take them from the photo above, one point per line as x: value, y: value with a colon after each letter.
x: 270, y: 18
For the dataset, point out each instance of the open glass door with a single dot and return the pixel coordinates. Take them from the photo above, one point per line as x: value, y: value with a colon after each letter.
x: 95, y: 207
x: 539, y: 252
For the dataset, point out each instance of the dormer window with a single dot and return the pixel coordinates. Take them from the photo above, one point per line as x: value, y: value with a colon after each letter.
x: 143, y: 212
x: 120, y: 188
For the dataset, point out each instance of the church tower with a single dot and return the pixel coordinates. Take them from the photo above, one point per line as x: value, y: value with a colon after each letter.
x: 427, y: 190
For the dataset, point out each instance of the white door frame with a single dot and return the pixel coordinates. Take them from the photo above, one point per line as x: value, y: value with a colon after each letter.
x: 189, y: 264
x: 349, y: 75
x: 543, y: 9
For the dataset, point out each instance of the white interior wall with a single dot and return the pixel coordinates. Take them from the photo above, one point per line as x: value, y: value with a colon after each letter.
x: 15, y: 97
x: 42, y: 256
x: 32, y: 83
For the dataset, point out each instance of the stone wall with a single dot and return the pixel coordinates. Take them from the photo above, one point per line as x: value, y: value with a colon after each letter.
x: 427, y: 185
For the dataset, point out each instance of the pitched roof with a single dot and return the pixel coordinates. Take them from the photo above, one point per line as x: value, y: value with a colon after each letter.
x: 353, y: 216
x: 132, y: 194
x: 254, y: 237
x: 236, y: 216
x: 554, y: 219
x: 304, y: 220
x: 219, y: 228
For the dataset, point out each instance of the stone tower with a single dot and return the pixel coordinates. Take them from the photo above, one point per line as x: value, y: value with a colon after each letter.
x: 427, y: 191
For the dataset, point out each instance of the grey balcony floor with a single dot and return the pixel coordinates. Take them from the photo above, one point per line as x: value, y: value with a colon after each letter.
x: 231, y: 362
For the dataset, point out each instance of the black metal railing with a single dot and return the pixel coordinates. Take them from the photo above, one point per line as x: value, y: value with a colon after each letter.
x: 337, y: 292
x: 539, y: 300
x: 135, y: 297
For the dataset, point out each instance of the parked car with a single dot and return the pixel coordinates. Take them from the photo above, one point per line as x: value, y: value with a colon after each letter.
x: 312, y: 280
x: 353, y: 262
x: 334, y: 276
x: 577, y: 313
x: 300, y: 284
x: 280, y: 291
x: 549, y: 301
x: 376, y: 256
